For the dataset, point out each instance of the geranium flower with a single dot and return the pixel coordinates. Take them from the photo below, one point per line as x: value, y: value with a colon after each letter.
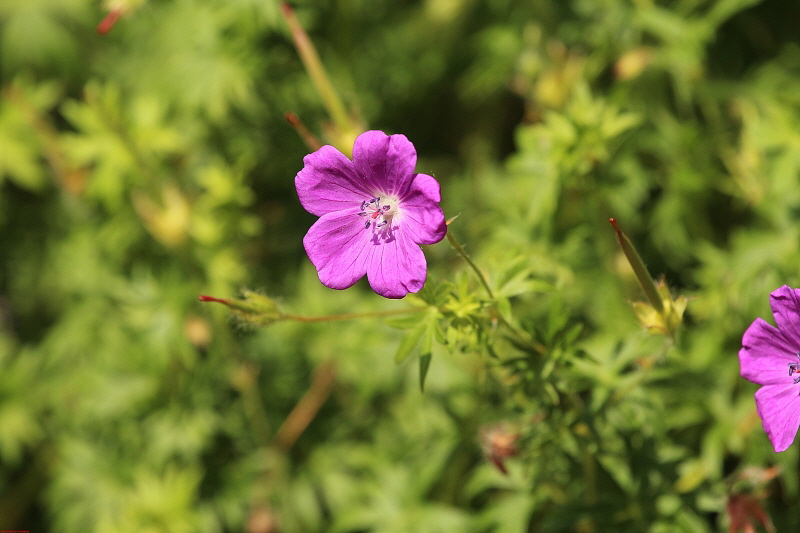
x: 374, y: 213
x: 770, y: 356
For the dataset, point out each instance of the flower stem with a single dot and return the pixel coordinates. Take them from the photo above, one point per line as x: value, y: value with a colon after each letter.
x: 311, y: 141
x: 454, y: 243
x: 350, y: 316
x: 307, y: 408
x: 520, y: 334
x: 317, y: 73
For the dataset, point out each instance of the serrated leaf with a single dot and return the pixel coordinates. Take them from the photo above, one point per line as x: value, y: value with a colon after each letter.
x: 427, y: 335
x: 423, y: 327
x: 424, y: 364
x: 409, y: 342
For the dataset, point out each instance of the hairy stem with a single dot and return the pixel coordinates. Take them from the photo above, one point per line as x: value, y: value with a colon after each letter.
x: 350, y: 316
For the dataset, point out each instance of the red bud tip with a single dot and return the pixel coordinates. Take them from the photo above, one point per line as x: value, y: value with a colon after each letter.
x: 287, y: 8
x: 498, y: 463
x: 107, y: 23
x: 614, y: 223
x: 292, y: 119
x: 204, y: 298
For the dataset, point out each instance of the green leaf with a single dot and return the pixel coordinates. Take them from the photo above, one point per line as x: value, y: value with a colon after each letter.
x: 425, y: 326
x: 426, y: 346
x: 409, y: 342
x: 424, y: 364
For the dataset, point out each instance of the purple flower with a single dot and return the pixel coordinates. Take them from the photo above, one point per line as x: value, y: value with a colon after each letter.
x: 374, y: 212
x: 771, y: 357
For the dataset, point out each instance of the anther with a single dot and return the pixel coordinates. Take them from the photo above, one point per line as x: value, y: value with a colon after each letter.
x: 794, y: 368
x: 375, y: 209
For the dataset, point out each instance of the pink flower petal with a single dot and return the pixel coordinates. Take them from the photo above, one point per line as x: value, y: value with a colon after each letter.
x: 396, y: 265
x: 766, y: 354
x: 386, y: 162
x: 785, y: 303
x: 769, y: 357
x: 337, y: 244
x: 779, y: 409
x: 329, y: 182
x: 421, y: 208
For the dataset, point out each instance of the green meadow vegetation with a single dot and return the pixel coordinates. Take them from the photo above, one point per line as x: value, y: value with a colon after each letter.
x: 153, y: 163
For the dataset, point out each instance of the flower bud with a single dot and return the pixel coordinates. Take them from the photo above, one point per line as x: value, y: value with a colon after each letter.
x: 663, y: 313
x: 669, y: 318
x: 254, y: 308
x: 499, y: 443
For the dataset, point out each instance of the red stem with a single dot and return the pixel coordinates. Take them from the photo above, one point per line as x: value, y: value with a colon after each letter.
x: 204, y: 298
x: 107, y: 23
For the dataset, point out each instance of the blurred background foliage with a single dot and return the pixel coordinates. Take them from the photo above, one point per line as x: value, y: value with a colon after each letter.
x: 144, y: 167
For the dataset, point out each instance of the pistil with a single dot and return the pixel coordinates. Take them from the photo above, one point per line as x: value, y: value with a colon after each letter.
x: 378, y: 207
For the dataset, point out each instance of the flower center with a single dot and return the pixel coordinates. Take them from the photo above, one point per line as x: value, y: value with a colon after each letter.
x: 380, y: 210
x: 794, y: 368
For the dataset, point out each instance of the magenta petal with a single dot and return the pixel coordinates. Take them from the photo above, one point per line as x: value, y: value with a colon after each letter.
x: 766, y: 354
x: 769, y: 356
x: 386, y: 162
x: 421, y: 208
x: 329, y: 182
x: 396, y: 266
x: 337, y: 245
x: 785, y: 303
x: 779, y: 409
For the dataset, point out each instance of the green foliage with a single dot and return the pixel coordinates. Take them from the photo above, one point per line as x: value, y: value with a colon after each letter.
x: 148, y: 166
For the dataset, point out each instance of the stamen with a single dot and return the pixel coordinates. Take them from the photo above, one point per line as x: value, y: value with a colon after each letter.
x: 794, y: 368
x: 380, y: 209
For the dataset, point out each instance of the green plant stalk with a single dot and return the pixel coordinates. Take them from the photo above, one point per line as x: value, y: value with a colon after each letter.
x: 316, y: 71
x: 454, y: 243
x: 259, y: 307
x: 639, y: 268
x: 522, y: 336
x: 256, y: 413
